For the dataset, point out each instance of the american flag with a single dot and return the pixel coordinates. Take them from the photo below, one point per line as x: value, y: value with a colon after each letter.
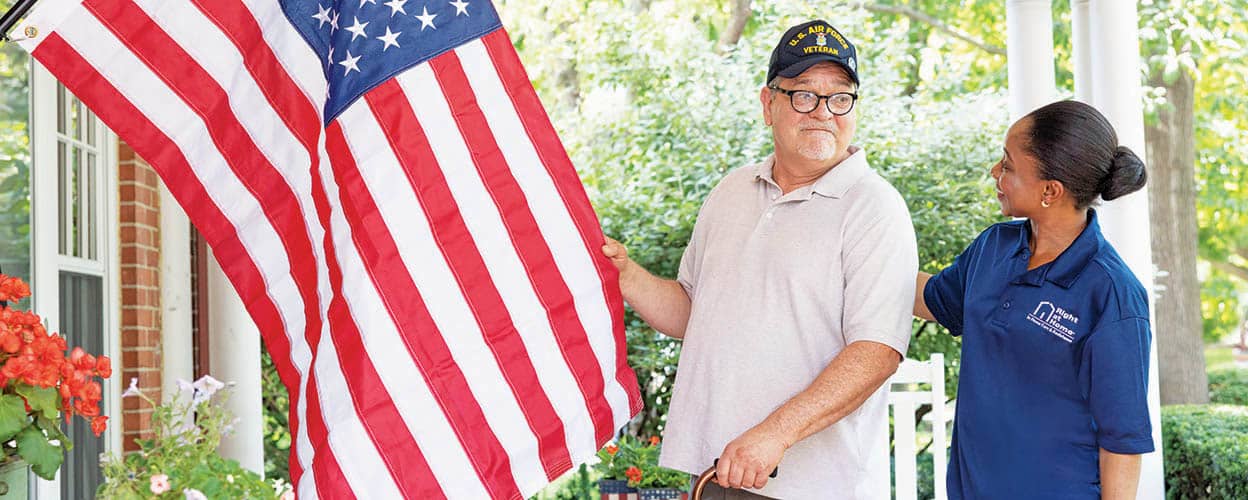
x: 382, y: 186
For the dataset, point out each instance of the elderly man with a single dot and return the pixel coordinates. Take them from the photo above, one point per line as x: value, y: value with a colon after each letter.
x: 793, y: 298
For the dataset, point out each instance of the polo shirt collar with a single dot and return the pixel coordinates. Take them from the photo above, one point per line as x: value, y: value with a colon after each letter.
x: 1064, y: 270
x: 833, y: 184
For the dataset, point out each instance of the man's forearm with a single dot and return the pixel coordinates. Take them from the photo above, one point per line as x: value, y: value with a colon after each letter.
x: 847, y: 381
x: 1120, y: 475
x: 661, y: 303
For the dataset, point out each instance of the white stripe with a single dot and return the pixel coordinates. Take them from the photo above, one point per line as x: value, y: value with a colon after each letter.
x: 556, y: 225
x: 402, y: 214
x: 407, y: 387
x: 296, y: 56
x: 220, y: 58
x: 352, y: 447
x: 45, y: 17
x: 489, y: 231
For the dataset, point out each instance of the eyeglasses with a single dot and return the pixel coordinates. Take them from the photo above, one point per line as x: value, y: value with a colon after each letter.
x: 805, y: 101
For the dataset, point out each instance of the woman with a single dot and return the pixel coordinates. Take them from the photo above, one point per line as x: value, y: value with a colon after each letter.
x: 1052, y: 396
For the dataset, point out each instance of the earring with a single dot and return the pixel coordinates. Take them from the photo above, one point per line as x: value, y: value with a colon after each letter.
x: 1044, y: 203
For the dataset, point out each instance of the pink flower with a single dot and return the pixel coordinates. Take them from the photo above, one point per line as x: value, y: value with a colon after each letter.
x: 160, y: 484
x: 288, y: 495
x: 133, y: 390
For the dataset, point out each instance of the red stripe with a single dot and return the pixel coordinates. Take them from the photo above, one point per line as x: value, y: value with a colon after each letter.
x: 284, y: 95
x: 415, y: 325
x: 378, y: 413
x: 151, y: 143
x: 450, y: 232
x: 295, y: 109
x: 326, y: 474
x: 526, y: 237
x: 555, y: 158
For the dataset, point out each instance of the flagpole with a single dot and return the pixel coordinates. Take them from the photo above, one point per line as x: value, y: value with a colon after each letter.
x: 13, y: 15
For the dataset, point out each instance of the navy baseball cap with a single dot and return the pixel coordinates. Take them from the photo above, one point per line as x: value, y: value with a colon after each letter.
x: 808, y: 44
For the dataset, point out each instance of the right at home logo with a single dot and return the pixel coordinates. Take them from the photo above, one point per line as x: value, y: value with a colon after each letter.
x: 1054, y: 320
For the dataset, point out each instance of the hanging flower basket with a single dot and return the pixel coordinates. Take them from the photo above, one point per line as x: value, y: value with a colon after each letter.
x: 39, y: 383
x: 14, y: 480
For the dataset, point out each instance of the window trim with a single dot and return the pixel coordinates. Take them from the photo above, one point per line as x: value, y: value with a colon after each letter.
x: 46, y: 259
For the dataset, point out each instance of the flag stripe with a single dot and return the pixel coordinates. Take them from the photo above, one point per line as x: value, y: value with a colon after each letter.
x: 95, y: 89
x: 559, y: 165
x: 166, y: 58
x: 526, y: 238
x: 377, y: 412
x: 428, y: 349
x: 292, y: 107
x: 476, y: 284
x: 404, y: 216
x: 327, y: 479
x: 298, y: 59
x: 493, y: 241
x: 164, y: 55
x: 553, y: 217
x: 408, y: 388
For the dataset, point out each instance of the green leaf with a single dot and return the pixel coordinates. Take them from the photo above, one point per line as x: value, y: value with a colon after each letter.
x: 53, y: 429
x: 44, y: 457
x: 41, y: 399
x: 12, y: 416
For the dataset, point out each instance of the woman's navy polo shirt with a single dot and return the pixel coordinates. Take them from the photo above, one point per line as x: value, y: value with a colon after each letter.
x: 1054, y: 364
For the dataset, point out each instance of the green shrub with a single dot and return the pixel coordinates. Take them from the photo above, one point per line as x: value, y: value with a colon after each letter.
x: 1206, y: 451
x: 1229, y: 386
x: 180, y: 461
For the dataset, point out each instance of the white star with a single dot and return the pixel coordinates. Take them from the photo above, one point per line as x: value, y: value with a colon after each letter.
x: 389, y: 39
x: 322, y: 15
x: 426, y: 19
x: 362, y: 2
x: 396, y: 6
x: 357, y: 29
x: 349, y: 63
x: 331, y: 55
x: 333, y: 23
x: 461, y: 7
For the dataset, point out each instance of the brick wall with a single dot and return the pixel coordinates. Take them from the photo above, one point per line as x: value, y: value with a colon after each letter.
x: 139, y: 201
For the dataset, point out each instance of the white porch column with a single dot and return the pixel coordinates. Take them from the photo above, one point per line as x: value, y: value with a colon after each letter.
x: 1081, y: 54
x: 1115, y: 90
x: 1029, y: 55
x: 177, y: 349
x: 234, y: 354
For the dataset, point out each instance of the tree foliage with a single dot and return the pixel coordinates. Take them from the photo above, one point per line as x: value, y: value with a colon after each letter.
x: 1208, y: 40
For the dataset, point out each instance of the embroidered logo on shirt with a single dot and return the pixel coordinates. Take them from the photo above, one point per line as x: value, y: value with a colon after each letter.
x: 1054, y: 319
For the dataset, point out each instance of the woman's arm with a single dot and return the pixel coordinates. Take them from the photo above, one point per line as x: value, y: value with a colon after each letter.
x: 1120, y: 475
x: 920, y: 306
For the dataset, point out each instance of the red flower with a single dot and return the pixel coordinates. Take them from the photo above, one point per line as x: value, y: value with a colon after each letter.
x: 31, y: 355
x: 9, y: 341
x: 612, y: 449
x: 104, y: 366
x: 98, y: 424
x: 12, y: 288
x: 633, y: 474
x: 654, y: 440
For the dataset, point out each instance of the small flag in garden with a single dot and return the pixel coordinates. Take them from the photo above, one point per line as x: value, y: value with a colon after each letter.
x: 385, y: 191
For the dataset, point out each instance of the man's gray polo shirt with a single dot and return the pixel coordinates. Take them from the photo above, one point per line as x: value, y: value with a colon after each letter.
x: 779, y: 285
